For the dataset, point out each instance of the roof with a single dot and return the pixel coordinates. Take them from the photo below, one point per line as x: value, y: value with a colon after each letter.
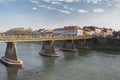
x: 58, y: 29
x: 107, y: 29
x: 72, y: 28
x: 91, y: 28
x: 95, y: 27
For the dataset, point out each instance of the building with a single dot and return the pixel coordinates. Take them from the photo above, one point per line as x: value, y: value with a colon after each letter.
x: 86, y: 32
x: 68, y: 31
x: 98, y: 32
x: 73, y: 31
x: 93, y: 30
x: 42, y: 32
x: 58, y: 31
x: 116, y: 34
x: 35, y: 32
x: 106, y: 32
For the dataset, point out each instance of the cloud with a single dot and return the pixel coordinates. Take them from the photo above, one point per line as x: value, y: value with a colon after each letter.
x: 71, y: 0
x: 52, y: 8
x: 82, y: 11
x: 47, y: 7
x: 94, y: 1
x: 2, y: 1
x: 113, y: 3
x: 61, y: 0
x: 34, y: 8
x: 63, y: 11
x: 61, y: 6
x: 34, y: 1
x: 99, y: 10
x: 55, y: 2
x: 68, y: 8
x: 118, y: 5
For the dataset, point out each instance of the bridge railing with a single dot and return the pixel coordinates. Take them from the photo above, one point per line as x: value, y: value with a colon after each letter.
x: 41, y: 38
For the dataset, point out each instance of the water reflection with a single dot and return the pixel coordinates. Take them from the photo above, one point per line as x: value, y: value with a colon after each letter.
x: 11, y: 73
x: 83, y: 52
x: 70, y: 55
x: 48, y: 62
x: 73, y: 55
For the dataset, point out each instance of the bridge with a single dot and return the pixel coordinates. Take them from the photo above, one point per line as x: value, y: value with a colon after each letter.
x: 11, y: 57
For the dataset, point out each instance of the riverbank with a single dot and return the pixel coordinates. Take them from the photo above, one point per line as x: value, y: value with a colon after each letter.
x: 105, y: 47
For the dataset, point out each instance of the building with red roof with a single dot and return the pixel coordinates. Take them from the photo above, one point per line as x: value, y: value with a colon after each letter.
x: 73, y: 30
x: 69, y: 31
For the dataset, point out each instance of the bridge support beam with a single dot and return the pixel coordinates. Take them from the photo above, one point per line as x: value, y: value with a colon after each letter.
x: 69, y: 45
x: 48, y: 49
x: 11, y: 56
x: 83, y: 44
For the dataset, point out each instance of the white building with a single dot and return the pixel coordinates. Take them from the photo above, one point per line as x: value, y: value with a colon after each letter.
x: 73, y: 31
x: 68, y: 31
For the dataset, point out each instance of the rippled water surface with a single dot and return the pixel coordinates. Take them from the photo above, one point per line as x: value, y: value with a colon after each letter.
x: 82, y: 65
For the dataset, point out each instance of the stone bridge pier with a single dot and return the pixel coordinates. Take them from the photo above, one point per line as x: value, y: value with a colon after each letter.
x: 68, y: 45
x: 11, y: 56
x: 48, y: 49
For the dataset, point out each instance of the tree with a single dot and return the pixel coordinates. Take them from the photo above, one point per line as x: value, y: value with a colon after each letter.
x: 19, y: 31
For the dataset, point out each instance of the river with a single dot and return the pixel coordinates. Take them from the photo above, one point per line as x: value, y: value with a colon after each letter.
x: 82, y: 65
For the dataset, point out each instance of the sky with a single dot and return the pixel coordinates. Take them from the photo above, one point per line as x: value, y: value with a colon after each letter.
x: 52, y: 14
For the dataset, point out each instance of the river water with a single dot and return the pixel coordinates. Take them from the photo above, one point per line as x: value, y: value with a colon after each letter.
x: 82, y: 65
